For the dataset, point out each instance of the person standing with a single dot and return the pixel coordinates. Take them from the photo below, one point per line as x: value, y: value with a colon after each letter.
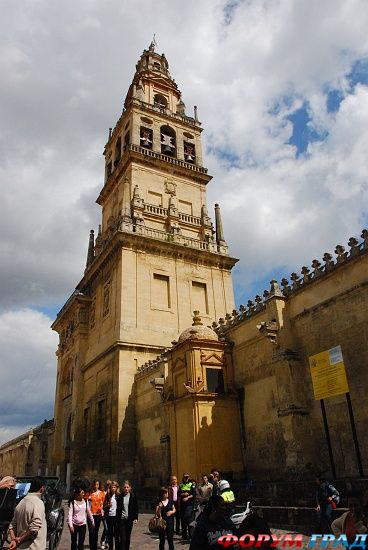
x: 215, y: 480
x: 186, y: 499
x: 110, y: 505
x: 327, y: 498
x: 28, y: 527
x: 78, y: 517
x: 126, y: 514
x: 204, y: 490
x: 227, y: 494
x: 166, y: 509
x: 104, y: 536
x: 174, y: 496
x: 96, y: 499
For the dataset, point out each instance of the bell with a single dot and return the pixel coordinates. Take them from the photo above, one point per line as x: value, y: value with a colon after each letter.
x: 146, y: 143
x: 167, y: 149
x: 189, y: 157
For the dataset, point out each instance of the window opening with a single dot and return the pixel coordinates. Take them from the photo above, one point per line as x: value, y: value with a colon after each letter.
x: 117, y: 152
x: 160, y: 101
x: 161, y: 291
x: 199, y: 297
x: 189, y: 151
x: 101, y: 414
x: 215, y: 380
x: 168, y: 141
x: 146, y: 137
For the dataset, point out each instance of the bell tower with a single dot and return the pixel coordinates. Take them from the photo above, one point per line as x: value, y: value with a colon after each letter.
x: 155, y: 260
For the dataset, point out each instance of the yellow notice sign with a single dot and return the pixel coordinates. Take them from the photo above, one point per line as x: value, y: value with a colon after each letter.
x: 328, y: 373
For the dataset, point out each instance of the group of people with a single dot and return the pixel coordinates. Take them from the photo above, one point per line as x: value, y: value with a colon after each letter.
x: 178, y: 501
x: 116, y: 509
x: 113, y: 506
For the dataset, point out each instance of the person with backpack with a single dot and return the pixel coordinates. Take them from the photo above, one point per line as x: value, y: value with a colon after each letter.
x: 78, y: 517
x: 327, y: 498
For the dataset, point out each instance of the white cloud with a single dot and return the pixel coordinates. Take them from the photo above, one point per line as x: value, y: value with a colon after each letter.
x: 247, y: 65
x: 27, y: 371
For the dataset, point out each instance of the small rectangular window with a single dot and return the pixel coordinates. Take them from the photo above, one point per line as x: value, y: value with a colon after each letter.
x: 199, y: 297
x: 215, y: 380
x: 86, y: 424
x: 186, y: 207
x: 101, y: 419
x: 106, y: 300
x: 154, y: 198
x: 126, y: 141
x: 161, y: 291
x: 109, y: 169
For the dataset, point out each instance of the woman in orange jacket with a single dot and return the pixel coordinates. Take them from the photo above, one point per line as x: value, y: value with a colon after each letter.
x: 96, y: 499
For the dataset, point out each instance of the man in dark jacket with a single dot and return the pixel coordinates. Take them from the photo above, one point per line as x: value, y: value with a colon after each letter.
x: 327, y: 498
x: 186, y: 495
x: 126, y: 514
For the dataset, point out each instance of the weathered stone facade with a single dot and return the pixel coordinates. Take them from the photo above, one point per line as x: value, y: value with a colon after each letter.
x: 140, y: 394
x: 273, y: 338
x: 155, y: 259
x: 30, y: 453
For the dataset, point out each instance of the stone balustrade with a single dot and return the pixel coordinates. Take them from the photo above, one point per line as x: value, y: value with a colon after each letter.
x: 172, y: 160
x: 163, y: 212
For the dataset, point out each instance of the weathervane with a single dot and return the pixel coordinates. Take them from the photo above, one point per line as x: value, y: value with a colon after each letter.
x: 153, y: 43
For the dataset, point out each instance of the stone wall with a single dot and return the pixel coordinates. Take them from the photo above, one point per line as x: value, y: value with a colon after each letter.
x: 273, y: 338
x: 30, y: 453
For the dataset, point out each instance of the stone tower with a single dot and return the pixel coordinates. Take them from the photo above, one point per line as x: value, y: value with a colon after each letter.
x: 155, y: 260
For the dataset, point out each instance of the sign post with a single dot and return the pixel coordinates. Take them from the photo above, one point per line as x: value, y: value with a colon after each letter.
x: 329, y: 379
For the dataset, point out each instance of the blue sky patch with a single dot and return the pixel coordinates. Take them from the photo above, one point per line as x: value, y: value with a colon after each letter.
x: 50, y: 311
x: 359, y: 72
x: 258, y: 286
x: 334, y: 98
x: 303, y: 132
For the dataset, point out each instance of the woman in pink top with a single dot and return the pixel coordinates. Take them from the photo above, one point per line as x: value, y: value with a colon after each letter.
x: 79, y: 513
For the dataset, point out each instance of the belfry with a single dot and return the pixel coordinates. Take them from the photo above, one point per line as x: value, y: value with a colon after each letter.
x: 156, y: 258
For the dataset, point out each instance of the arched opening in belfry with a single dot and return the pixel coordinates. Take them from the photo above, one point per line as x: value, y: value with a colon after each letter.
x: 168, y: 141
x: 189, y: 152
x: 146, y: 137
x: 160, y: 101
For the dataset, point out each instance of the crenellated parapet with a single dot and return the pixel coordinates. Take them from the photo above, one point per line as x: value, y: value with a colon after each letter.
x: 152, y: 365
x: 296, y: 282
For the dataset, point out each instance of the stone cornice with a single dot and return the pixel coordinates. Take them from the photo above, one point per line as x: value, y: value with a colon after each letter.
x: 143, y: 243
x: 145, y: 348
x: 76, y: 298
x: 166, y: 164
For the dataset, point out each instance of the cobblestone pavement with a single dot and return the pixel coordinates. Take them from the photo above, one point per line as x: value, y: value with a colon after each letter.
x: 142, y: 539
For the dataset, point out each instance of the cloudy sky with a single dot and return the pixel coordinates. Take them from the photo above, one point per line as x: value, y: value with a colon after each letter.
x: 281, y: 89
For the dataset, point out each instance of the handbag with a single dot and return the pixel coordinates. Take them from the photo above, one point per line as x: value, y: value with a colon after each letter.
x: 156, y: 524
